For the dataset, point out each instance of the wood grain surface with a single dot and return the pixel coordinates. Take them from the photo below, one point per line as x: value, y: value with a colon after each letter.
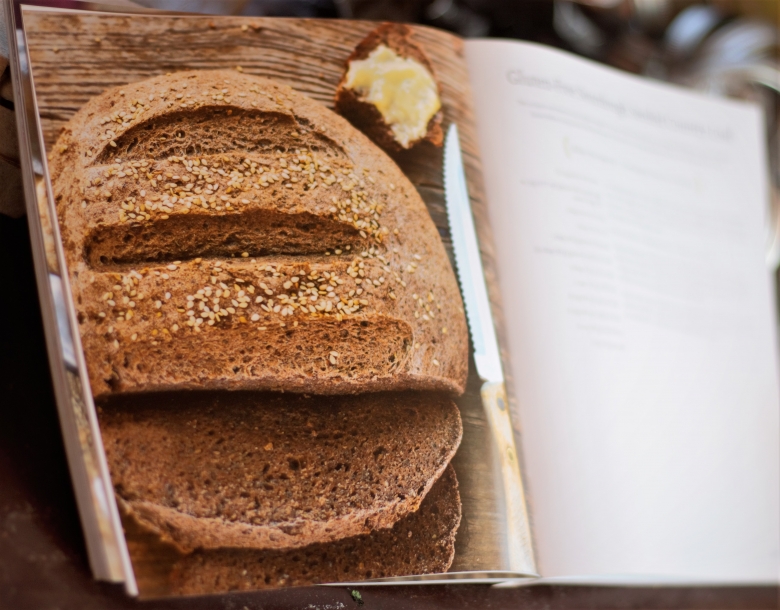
x: 75, y: 57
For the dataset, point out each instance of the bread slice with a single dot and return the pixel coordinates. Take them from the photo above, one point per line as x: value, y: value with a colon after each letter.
x: 420, y: 543
x: 224, y: 231
x: 354, y: 99
x: 249, y: 470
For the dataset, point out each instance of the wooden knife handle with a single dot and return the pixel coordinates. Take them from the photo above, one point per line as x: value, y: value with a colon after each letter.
x: 520, y: 551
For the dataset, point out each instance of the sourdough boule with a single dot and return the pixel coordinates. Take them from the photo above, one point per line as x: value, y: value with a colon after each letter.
x: 223, y: 231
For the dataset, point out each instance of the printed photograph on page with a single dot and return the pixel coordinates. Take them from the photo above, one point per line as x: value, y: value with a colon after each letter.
x: 252, y: 213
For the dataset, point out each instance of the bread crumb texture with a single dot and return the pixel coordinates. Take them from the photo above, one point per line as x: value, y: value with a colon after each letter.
x: 269, y: 471
x: 224, y: 231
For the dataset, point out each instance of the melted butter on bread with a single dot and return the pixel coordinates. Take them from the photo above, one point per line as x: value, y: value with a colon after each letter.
x: 402, y: 89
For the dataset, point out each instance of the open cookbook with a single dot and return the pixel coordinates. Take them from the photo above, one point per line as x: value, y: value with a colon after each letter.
x: 352, y: 302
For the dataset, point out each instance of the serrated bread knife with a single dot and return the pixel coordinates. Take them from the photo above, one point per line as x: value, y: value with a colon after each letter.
x: 486, y: 355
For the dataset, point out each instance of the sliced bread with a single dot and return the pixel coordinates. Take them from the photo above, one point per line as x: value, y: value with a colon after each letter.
x: 420, y: 543
x: 389, y: 90
x: 265, y: 471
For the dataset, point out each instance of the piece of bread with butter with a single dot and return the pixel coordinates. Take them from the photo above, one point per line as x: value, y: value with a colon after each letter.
x: 389, y: 90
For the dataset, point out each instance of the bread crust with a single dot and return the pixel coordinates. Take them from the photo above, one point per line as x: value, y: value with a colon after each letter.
x: 149, y: 242
x: 365, y: 116
x: 264, y: 471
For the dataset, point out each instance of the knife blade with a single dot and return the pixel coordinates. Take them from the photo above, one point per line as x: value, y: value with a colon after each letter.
x: 486, y: 354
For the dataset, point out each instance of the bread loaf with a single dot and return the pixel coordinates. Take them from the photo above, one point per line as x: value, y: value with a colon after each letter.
x: 420, y: 543
x: 224, y: 231
x: 254, y: 470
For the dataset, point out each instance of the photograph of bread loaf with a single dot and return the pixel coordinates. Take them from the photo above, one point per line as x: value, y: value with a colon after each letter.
x: 273, y: 332
x: 225, y: 232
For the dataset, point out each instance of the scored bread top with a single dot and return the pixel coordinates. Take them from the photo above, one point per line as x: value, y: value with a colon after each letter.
x: 256, y: 470
x: 224, y: 231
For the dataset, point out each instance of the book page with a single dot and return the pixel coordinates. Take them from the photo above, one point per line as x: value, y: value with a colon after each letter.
x: 629, y: 224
